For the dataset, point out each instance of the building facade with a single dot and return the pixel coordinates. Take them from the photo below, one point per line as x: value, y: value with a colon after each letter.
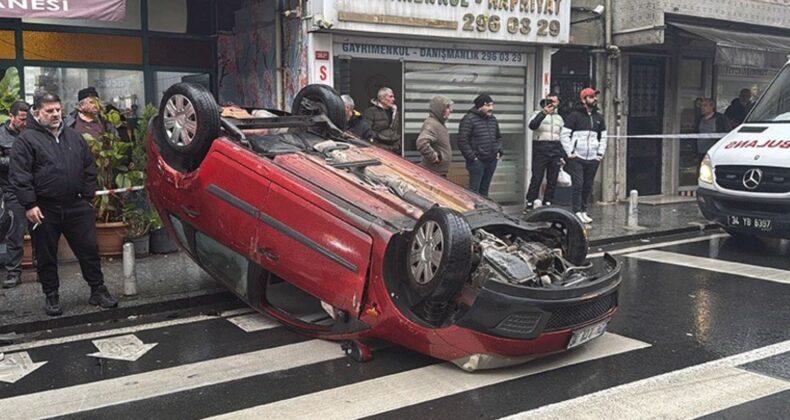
x: 672, y: 54
x: 130, y: 62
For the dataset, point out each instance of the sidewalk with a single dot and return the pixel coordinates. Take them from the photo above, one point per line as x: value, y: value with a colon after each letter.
x: 173, y: 281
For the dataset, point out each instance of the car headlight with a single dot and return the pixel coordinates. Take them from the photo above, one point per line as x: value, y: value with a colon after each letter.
x: 706, y: 171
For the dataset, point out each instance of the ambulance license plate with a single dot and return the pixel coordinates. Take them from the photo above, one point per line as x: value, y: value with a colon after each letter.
x: 745, y: 222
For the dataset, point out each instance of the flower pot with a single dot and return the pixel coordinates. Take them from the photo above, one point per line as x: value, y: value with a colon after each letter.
x: 141, y: 245
x: 27, y: 252
x: 161, y: 243
x: 109, y: 237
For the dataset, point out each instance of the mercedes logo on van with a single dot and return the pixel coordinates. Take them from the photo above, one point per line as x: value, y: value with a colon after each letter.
x: 752, y: 178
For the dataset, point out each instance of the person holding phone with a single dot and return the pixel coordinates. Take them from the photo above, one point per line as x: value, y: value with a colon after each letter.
x: 547, y: 151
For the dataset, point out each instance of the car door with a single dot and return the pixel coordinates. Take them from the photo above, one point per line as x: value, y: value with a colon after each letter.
x: 226, y: 217
x: 304, y: 243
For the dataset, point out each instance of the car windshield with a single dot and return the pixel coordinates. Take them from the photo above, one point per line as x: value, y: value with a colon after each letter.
x: 774, y: 106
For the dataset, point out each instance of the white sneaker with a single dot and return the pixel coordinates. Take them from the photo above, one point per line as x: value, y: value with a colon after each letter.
x: 587, y: 217
x: 580, y: 216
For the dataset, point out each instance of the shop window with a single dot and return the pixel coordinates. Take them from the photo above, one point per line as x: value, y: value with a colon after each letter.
x: 122, y: 88
x: 91, y: 48
x: 7, y: 45
x: 165, y: 79
x: 132, y: 20
x: 181, y: 16
x: 174, y: 52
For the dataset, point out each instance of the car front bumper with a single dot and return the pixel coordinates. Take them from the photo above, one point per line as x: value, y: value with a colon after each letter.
x: 722, y: 208
x: 514, y: 312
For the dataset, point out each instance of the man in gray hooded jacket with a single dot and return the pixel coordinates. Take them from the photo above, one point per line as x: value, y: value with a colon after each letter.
x: 433, y: 142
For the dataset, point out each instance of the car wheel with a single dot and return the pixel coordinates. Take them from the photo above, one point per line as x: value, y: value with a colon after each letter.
x: 320, y: 99
x: 188, y: 122
x: 439, y: 255
x: 573, y: 240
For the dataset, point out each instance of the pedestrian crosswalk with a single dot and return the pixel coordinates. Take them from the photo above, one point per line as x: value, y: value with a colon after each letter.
x: 653, y: 363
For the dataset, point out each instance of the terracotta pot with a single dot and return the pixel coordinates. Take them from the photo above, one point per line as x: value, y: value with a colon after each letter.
x: 27, y: 252
x: 110, y: 236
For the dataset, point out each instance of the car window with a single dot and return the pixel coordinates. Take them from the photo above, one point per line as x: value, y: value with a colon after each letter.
x: 774, y: 106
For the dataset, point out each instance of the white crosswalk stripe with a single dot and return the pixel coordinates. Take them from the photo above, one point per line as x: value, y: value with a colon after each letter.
x: 419, y: 385
x: 60, y: 402
x: 718, y: 266
x: 687, y: 393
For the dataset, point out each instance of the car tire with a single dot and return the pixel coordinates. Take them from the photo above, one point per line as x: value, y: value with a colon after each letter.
x: 574, y: 241
x: 439, y: 255
x: 326, y: 99
x: 188, y: 122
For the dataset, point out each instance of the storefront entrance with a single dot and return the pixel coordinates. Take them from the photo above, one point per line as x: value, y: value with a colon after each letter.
x: 646, y: 110
x: 415, y: 78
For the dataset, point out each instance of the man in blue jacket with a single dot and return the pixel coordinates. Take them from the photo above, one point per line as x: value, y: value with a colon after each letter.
x: 584, y: 139
x: 480, y: 142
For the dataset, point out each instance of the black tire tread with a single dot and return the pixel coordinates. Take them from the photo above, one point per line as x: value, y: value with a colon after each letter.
x: 328, y: 96
x: 576, y: 242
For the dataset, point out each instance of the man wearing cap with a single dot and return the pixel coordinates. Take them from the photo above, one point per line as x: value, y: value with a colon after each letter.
x: 480, y: 142
x: 584, y: 139
x: 87, y: 119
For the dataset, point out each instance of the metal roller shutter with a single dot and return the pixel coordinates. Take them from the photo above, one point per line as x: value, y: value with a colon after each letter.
x: 462, y: 83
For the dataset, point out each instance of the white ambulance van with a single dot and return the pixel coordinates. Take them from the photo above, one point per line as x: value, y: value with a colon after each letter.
x: 744, y: 181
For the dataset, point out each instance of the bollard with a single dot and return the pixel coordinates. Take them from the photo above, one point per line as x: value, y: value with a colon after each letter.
x: 633, y: 209
x: 129, y: 276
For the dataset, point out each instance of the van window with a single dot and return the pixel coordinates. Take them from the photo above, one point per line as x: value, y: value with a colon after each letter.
x: 774, y: 106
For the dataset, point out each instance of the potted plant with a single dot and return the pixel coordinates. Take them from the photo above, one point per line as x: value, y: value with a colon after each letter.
x: 111, y: 154
x: 138, y: 225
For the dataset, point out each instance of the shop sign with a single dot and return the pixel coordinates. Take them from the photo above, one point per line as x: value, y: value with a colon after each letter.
x: 111, y: 10
x: 388, y: 50
x: 532, y: 21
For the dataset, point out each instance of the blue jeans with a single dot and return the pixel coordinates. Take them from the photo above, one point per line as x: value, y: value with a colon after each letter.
x: 480, y: 175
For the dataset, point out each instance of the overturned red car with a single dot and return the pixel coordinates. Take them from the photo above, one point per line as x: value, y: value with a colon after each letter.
x: 344, y: 241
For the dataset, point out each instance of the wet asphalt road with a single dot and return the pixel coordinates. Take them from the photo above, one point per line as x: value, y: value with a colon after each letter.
x: 703, y: 331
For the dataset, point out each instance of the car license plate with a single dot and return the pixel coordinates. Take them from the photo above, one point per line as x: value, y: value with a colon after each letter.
x: 744, y: 222
x: 588, y: 333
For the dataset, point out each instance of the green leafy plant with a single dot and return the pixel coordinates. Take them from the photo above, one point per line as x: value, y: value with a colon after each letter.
x: 110, y: 152
x: 9, y: 92
x: 139, y: 155
x: 138, y: 221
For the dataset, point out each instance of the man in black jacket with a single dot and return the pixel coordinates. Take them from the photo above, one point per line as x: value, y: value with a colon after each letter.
x: 53, y: 175
x: 480, y: 142
x: 8, y: 135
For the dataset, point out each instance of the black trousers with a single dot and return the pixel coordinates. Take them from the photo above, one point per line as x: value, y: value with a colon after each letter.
x: 546, y: 157
x: 16, y: 235
x: 77, y: 222
x: 582, y: 175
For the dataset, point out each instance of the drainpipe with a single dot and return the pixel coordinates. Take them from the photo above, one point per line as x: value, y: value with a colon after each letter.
x: 278, y: 52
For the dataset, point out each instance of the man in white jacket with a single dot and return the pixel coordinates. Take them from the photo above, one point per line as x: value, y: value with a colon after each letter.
x: 584, y: 139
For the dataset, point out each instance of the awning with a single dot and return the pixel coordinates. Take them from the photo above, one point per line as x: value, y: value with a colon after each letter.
x: 742, y: 48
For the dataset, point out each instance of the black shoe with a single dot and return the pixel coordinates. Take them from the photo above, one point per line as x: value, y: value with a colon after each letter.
x: 12, y: 280
x: 101, y: 297
x: 52, y: 305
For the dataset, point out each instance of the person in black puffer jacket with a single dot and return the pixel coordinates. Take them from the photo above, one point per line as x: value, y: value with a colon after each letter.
x: 53, y: 175
x: 9, y: 132
x: 480, y: 142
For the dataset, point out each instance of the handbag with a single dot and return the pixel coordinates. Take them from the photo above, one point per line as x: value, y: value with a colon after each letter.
x: 564, y: 178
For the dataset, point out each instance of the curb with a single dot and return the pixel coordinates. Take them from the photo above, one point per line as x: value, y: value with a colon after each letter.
x: 120, y: 312
x: 654, y: 234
